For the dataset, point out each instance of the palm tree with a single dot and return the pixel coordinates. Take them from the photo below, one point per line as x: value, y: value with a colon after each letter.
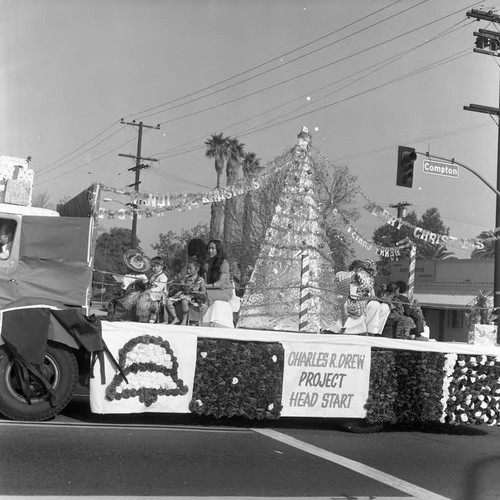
x: 488, y: 251
x: 234, y: 155
x: 251, y: 167
x: 434, y: 252
x: 217, y: 149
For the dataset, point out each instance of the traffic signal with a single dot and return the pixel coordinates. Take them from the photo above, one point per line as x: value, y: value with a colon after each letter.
x: 482, y: 42
x: 406, y: 158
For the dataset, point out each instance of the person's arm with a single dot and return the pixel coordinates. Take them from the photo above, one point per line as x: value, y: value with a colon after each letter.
x: 159, y: 284
x: 224, y: 275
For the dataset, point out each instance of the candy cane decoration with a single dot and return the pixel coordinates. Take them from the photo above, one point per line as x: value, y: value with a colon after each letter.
x: 411, y: 271
x: 304, y: 291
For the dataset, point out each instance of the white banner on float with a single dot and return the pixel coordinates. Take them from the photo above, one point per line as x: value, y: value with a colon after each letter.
x: 159, y: 367
x: 325, y: 380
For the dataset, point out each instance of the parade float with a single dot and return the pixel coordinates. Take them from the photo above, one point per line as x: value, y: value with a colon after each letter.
x: 278, y: 361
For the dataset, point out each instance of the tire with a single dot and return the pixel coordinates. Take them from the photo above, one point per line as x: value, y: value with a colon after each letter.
x: 60, y: 369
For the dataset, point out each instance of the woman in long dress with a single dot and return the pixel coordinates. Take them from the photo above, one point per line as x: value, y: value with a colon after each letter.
x: 218, y: 281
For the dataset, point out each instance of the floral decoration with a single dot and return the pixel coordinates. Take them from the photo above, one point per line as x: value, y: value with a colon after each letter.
x: 405, y: 386
x: 237, y: 378
x: 382, y: 393
x: 474, y: 391
x: 151, y: 369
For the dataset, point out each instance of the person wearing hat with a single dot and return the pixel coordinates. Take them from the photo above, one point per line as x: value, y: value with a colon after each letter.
x: 343, y: 282
x: 366, y: 313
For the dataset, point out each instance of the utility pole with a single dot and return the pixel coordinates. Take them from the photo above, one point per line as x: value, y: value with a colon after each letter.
x: 488, y: 42
x: 401, y: 207
x: 137, y: 168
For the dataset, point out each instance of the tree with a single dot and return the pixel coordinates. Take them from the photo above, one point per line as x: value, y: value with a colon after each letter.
x: 217, y: 149
x: 108, y: 260
x: 172, y: 247
x: 235, y: 154
x: 389, y: 236
x: 41, y: 199
x: 336, y: 192
x: 110, y: 249
x: 488, y: 252
x: 251, y: 167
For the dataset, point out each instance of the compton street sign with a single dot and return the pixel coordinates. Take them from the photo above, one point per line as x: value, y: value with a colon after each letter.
x: 442, y: 168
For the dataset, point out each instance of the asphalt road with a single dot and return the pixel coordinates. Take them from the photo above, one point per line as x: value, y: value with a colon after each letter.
x: 80, y: 454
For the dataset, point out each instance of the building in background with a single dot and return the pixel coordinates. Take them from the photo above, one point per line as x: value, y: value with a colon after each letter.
x: 446, y: 290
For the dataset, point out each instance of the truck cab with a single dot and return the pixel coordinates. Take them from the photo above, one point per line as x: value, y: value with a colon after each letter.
x: 46, y: 334
x: 47, y: 256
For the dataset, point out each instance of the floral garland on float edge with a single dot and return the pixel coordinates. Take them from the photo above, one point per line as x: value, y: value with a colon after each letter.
x: 237, y: 378
x: 151, y: 370
x: 428, y: 387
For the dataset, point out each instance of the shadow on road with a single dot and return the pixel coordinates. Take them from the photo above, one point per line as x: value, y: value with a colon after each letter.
x: 78, y: 411
x: 478, y: 477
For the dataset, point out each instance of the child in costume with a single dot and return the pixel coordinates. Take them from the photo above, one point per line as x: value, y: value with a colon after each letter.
x: 191, y: 292
x: 156, y: 291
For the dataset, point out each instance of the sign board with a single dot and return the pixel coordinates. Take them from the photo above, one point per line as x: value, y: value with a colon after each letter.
x: 425, y: 270
x: 323, y: 380
x: 441, y: 168
x: 16, y: 181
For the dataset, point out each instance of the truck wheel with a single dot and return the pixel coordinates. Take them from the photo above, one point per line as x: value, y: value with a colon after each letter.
x: 60, y: 368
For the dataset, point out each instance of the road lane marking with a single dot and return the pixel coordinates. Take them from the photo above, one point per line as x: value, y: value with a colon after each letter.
x: 121, y: 497
x: 366, y: 470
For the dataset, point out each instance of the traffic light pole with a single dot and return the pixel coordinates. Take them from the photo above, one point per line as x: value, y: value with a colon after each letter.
x: 491, y: 41
x: 455, y: 162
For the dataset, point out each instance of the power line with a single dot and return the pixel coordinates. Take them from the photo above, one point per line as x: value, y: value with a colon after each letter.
x: 307, y: 73
x: 247, y: 71
x: 286, y: 81
x: 263, y: 64
x: 83, y: 145
x: 381, y: 65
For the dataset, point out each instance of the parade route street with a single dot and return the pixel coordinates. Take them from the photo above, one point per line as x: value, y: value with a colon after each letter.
x: 153, y: 455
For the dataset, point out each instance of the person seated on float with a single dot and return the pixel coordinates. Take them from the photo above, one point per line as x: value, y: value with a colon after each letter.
x: 218, y: 281
x: 343, y: 282
x: 157, y: 285
x: 367, y: 313
x: 191, y: 293
x: 7, y: 230
x: 414, y: 327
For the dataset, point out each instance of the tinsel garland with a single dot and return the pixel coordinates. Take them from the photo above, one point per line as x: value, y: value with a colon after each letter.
x: 405, y: 387
x: 235, y: 378
x: 474, y: 391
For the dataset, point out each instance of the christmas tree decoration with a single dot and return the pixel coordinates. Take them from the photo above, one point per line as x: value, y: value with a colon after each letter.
x: 292, y: 285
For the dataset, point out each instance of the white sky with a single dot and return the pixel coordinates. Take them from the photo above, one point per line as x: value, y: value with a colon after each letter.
x: 70, y: 69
